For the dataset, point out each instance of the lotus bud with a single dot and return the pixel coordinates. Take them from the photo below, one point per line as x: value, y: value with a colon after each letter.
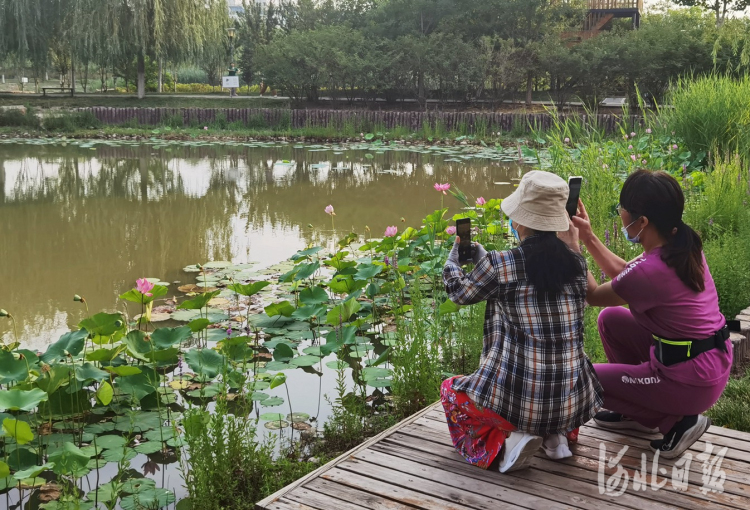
x: 309, y: 225
x: 4, y: 313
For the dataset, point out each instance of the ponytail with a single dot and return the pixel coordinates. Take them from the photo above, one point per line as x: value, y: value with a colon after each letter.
x: 684, y: 253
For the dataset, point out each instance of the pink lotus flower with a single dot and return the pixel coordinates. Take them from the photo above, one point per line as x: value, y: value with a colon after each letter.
x: 632, y: 156
x: 329, y: 210
x: 450, y: 230
x: 391, y: 231
x: 630, y: 147
x: 481, y: 201
x: 632, y: 135
x: 144, y: 287
x: 442, y: 187
x: 674, y: 147
x: 648, y: 131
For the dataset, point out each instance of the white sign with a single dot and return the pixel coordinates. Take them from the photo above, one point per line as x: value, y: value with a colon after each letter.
x: 24, y: 80
x: 230, y: 82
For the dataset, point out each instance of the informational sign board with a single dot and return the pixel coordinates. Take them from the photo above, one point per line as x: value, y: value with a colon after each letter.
x: 24, y: 80
x: 230, y: 82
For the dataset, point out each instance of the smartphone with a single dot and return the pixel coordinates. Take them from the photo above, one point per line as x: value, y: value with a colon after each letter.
x: 574, y: 183
x: 463, y: 231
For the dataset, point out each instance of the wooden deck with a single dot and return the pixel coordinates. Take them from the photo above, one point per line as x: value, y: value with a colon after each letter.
x: 414, y: 465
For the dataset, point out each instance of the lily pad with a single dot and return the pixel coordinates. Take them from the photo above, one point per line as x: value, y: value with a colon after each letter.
x: 337, y: 364
x: 272, y: 416
x: 272, y: 402
x: 307, y: 360
x: 151, y: 498
x: 276, y: 425
x: 110, y: 441
x: 259, y: 396
x: 295, y: 417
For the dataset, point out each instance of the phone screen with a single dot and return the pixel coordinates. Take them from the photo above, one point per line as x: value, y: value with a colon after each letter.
x: 574, y: 183
x: 463, y: 231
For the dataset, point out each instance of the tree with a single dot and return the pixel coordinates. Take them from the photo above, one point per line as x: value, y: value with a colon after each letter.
x: 720, y: 8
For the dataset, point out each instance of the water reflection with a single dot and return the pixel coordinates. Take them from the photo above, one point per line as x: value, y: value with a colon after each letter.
x: 90, y: 221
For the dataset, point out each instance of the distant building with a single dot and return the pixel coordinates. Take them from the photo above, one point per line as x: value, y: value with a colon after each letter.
x: 236, y: 8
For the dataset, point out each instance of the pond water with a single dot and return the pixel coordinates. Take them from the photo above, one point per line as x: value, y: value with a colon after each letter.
x: 89, y: 218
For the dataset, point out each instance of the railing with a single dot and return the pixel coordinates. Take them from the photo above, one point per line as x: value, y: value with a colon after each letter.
x: 608, y: 5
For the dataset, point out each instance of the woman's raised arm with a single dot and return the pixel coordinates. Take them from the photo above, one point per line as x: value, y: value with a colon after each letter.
x: 611, y: 264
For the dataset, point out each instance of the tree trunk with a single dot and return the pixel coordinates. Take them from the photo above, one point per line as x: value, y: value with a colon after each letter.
x: 420, y: 89
x: 72, y: 73
x: 141, y: 76
x: 161, y: 76
x: 529, y: 88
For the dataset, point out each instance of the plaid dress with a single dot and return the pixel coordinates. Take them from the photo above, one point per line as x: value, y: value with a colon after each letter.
x: 533, y: 371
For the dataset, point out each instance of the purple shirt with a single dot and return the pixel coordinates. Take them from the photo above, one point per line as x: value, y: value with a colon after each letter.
x: 665, y: 306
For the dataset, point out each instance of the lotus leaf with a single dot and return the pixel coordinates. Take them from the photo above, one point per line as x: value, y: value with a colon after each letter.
x: 135, y: 296
x: 20, y: 458
x: 124, y: 371
x: 99, y: 428
x: 138, y: 485
x: 262, y: 320
x: 341, y: 313
x: 283, y: 353
x: 139, y: 385
x: 298, y: 417
x: 276, y: 425
x: 314, y: 350
x: 105, y: 355
x: 284, y: 308
x: 272, y: 402
x: 198, y: 302
x: 4, y: 470
x: 148, y: 447
x: 179, y: 384
x: 70, y: 343
x: 88, y: 371
x: 19, y: 430
x: 110, y: 441
x: 313, y: 296
x: 195, y: 325
x: 337, y: 365
x: 368, y: 271
x: 119, y: 454
x: 306, y: 253
x: 69, y: 459
x: 32, y: 472
x: 217, y: 264
x: 163, y: 338
x: 206, y: 362
x: 375, y: 373
x: 209, y: 391
x: 103, y: 324
x: 12, y: 370
x: 176, y: 442
x: 250, y: 289
x: 307, y: 360
x: 272, y: 416
x: 21, y: 400
x: 260, y: 385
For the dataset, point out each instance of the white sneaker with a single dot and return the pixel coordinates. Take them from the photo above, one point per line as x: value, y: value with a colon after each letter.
x: 556, y: 447
x: 518, y: 450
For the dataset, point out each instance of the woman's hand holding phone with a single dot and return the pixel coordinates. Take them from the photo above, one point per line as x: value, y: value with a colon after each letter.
x: 582, y: 222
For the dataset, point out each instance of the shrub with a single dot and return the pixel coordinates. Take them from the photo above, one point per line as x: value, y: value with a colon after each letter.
x: 70, y: 121
x: 19, y: 118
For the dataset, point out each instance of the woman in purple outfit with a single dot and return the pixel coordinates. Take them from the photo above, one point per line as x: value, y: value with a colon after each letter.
x: 669, y: 353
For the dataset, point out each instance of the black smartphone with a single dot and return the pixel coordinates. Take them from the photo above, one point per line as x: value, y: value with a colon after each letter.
x: 463, y: 231
x: 574, y: 183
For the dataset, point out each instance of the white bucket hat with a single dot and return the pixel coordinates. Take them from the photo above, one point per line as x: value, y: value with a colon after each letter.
x: 539, y: 202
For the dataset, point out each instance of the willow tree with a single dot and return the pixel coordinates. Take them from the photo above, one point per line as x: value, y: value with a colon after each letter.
x: 174, y: 30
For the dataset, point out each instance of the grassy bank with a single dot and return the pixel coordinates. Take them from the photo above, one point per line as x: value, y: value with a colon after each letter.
x: 150, y: 101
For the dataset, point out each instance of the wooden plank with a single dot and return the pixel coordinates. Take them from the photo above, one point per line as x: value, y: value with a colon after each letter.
x: 366, y: 499
x: 446, y: 479
x: 321, y: 500
x: 314, y: 474
x: 576, y: 493
x: 401, y: 495
x: 587, y: 470
x: 285, y: 504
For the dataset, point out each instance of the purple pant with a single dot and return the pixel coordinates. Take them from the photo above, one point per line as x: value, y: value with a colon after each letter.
x: 633, y: 387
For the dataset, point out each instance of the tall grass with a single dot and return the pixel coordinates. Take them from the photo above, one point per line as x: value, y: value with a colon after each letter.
x: 711, y: 113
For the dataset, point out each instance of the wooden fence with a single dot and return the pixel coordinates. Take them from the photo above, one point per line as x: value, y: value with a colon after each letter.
x: 360, y: 120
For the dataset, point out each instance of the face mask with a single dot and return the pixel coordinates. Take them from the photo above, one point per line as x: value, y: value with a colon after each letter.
x: 514, y: 231
x: 637, y: 237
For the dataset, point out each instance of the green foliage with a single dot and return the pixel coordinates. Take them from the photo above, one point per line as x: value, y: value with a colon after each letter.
x: 733, y: 408
x: 19, y: 118
x: 70, y: 121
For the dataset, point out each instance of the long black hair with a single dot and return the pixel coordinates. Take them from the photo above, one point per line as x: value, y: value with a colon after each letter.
x: 658, y: 197
x: 550, y: 264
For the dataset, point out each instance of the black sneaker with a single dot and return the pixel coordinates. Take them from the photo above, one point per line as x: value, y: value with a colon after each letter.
x: 616, y: 421
x: 682, y: 436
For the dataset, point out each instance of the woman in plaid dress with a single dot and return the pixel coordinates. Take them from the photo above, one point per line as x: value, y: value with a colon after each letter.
x: 535, y: 385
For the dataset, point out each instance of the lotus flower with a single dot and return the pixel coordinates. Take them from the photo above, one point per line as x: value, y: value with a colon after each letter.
x: 630, y: 147
x: 450, y: 230
x: 442, y: 187
x: 205, y: 128
x: 633, y: 157
x: 391, y: 231
x: 329, y: 210
x: 674, y: 147
x: 144, y: 287
x: 481, y: 201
